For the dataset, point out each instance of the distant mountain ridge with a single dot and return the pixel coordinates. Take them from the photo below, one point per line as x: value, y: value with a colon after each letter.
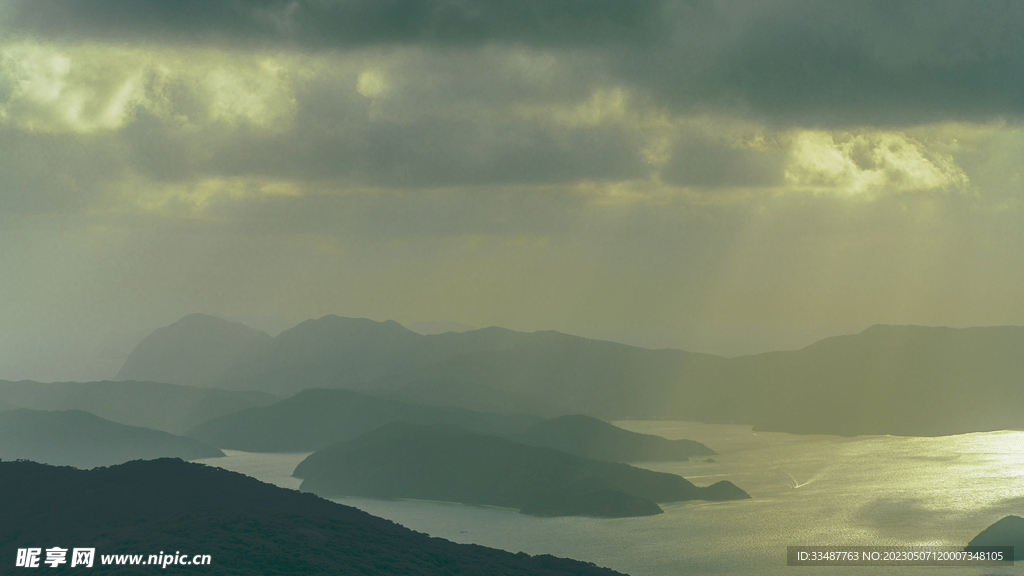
x: 438, y: 327
x: 471, y: 396
x: 172, y: 408
x: 80, y: 439
x: 194, y: 351
x: 336, y: 352
x: 901, y: 380
x: 316, y: 418
x: 908, y: 380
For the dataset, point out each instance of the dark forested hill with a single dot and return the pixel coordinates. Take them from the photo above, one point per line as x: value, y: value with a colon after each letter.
x: 246, y: 526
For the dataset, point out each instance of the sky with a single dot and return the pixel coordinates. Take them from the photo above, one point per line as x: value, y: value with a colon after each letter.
x: 719, y: 176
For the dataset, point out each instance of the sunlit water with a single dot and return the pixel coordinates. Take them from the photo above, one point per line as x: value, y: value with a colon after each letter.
x: 807, y: 490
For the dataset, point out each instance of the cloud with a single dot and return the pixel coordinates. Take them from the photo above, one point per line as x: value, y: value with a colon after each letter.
x: 784, y: 62
x: 89, y: 88
x: 342, y: 23
x: 47, y: 90
x: 339, y: 141
x: 813, y: 64
x: 403, y: 119
x: 430, y: 153
x: 713, y: 163
x: 869, y: 163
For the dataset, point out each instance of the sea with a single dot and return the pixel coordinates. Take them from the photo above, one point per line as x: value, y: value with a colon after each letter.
x: 806, y: 490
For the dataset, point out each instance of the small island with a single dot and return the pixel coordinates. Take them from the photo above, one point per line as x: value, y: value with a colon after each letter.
x: 1008, y: 531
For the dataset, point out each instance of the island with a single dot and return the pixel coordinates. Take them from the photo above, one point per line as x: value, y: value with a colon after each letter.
x: 449, y: 463
x: 594, y: 438
x: 1008, y: 531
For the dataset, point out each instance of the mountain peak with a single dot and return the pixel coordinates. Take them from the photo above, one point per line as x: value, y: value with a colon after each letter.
x: 333, y: 321
x: 197, y: 350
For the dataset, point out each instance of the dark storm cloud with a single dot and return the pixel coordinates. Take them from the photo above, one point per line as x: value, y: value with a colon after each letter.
x: 433, y: 153
x: 902, y: 64
x: 155, y: 151
x: 787, y: 62
x: 344, y: 23
x: 842, y: 63
x: 334, y: 137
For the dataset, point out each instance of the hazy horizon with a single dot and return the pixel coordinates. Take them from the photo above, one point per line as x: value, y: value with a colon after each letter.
x: 100, y: 356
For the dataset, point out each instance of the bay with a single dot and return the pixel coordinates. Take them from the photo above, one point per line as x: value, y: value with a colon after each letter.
x: 806, y: 490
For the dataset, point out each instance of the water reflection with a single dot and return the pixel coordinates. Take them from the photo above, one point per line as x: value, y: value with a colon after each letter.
x: 807, y: 490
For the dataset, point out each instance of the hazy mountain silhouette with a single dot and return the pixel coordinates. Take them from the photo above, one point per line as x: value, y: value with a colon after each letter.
x: 169, y: 407
x: 587, y: 376
x: 593, y: 438
x: 272, y: 325
x: 7, y: 406
x: 602, y: 379
x: 904, y: 380
x: 329, y: 352
x: 80, y: 439
x: 197, y: 350
x: 886, y: 380
x: 907, y: 380
x: 438, y: 327
x: 437, y: 462
x: 314, y: 419
x: 1008, y: 531
x: 246, y: 526
x: 335, y: 352
x: 471, y: 397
